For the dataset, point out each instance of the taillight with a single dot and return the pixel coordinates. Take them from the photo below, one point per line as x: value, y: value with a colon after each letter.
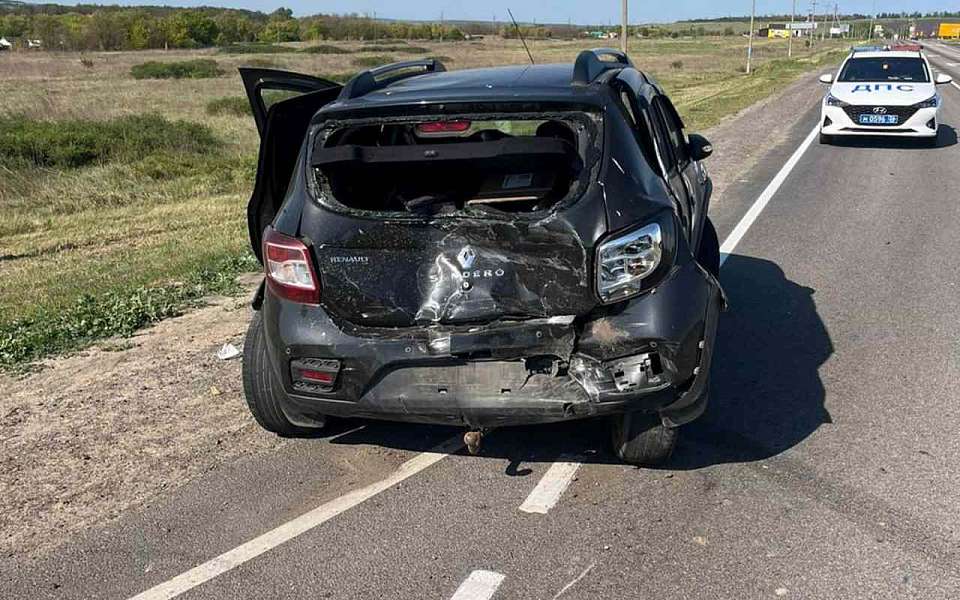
x: 290, y: 273
x: 441, y: 127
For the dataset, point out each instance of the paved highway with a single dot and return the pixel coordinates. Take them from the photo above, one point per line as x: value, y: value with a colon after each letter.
x: 826, y: 466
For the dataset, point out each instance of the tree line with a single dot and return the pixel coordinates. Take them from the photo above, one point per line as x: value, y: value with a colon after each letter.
x: 89, y: 27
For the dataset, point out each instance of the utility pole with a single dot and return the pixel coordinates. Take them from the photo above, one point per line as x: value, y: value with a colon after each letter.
x: 793, y: 17
x: 813, y: 16
x: 623, y: 26
x: 872, y: 16
x: 753, y: 13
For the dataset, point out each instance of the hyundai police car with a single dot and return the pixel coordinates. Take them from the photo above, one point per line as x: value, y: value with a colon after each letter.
x: 882, y: 92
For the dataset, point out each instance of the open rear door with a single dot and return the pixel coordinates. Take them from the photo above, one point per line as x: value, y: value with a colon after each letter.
x: 283, y: 104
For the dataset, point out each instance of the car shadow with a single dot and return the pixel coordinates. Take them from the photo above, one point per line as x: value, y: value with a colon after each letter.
x: 946, y: 137
x: 766, y: 393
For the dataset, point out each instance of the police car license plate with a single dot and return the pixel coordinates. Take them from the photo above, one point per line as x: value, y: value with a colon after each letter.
x: 879, y: 119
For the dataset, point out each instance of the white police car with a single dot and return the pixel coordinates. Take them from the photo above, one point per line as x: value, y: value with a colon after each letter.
x: 882, y: 92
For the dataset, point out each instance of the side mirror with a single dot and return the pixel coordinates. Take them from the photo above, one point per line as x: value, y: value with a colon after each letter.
x: 826, y: 78
x: 943, y: 79
x: 699, y: 147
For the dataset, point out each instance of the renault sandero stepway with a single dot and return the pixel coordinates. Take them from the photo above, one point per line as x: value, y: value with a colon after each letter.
x: 481, y: 248
x: 882, y: 92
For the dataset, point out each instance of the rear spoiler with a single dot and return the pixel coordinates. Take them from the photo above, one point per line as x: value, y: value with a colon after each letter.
x: 374, y: 79
x: 591, y: 64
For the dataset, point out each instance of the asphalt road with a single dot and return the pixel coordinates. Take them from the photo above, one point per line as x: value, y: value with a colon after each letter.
x: 825, y: 467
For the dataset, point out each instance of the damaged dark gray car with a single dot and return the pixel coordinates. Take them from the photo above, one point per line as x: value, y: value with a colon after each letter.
x: 481, y: 248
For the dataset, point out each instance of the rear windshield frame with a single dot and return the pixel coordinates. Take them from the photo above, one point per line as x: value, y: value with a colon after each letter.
x: 591, y: 118
x: 880, y: 60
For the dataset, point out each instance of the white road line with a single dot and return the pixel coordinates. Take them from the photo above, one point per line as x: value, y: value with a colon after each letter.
x: 550, y: 488
x: 575, y: 581
x: 741, y: 229
x: 480, y: 585
x: 291, y: 529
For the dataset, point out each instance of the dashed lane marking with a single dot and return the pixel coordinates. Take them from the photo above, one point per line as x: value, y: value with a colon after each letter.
x: 480, y: 585
x: 550, y: 488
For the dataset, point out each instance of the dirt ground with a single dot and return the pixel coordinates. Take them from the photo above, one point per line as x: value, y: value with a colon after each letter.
x: 92, y: 435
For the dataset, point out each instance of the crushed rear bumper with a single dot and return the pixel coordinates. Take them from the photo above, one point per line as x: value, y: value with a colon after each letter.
x: 651, y: 353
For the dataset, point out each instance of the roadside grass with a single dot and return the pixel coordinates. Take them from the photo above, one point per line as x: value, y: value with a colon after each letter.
x: 200, y: 68
x: 91, y: 248
x: 237, y: 106
x: 255, y: 48
x: 119, y: 312
x: 367, y: 62
x: 705, y: 101
x: 259, y: 61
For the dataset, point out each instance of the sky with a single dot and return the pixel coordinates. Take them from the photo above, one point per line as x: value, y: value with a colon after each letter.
x: 553, y: 11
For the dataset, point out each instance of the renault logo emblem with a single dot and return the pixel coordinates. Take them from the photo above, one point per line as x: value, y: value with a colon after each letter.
x: 880, y: 110
x: 467, y: 257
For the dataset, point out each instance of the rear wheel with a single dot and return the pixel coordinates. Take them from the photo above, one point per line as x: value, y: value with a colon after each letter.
x: 261, y: 387
x: 641, y: 439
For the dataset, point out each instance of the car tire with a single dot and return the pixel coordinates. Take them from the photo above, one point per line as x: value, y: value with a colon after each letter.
x: 261, y: 387
x: 709, y: 254
x: 825, y: 139
x: 641, y: 439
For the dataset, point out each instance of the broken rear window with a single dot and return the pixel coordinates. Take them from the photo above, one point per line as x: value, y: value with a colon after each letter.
x: 434, y: 167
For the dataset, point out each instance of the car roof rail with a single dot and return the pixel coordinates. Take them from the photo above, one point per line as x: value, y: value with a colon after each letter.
x: 591, y: 64
x: 380, y: 77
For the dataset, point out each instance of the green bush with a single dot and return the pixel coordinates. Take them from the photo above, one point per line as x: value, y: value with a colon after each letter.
x: 229, y: 105
x: 326, y: 49
x: 74, y: 143
x: 200, y: 68
x: 372, y: 61
x: 400, y: 49
x: 255, y: 49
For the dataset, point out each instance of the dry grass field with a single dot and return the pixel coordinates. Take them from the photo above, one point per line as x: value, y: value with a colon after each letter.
x: 119, y: 242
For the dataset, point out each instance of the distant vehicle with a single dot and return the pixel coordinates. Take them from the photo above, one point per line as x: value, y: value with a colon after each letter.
x: 483, y: 248
x: 882, y: 92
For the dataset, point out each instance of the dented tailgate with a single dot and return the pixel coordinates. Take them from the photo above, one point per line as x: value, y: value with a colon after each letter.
x: 456, y: 271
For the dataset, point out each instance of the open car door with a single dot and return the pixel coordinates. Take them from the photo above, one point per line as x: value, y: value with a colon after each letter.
x: 283, y: 104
